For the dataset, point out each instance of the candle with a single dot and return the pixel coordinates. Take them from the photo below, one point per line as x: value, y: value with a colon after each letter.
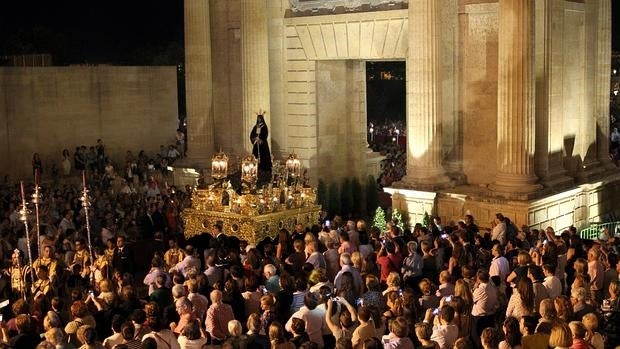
x: 36, y: 176
x: 84, y: 178
x: 21, y: 188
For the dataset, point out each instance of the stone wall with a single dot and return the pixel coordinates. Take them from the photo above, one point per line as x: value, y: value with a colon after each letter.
x: 46, y: 110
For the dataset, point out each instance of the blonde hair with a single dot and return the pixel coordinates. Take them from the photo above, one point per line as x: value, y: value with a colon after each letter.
x: 356, y: 259
x: 560, y: 335
x: 581, y: 266
x: 192, y: 285
x: 234, y: 328
x: 105, y: 285
x: 393, y: 279
x: 461, y: 290
x: 426, y: 286
x: 51, y: 320
x: 590, y: 321
x: 613, y: 288
x: 524, y: 258
x: 578, y: 329
x: 54, y: 335
x: 267, y: 300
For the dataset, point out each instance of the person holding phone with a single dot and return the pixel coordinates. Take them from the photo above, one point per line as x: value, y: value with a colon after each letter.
x: 398, y: 338
x: 445, y: 332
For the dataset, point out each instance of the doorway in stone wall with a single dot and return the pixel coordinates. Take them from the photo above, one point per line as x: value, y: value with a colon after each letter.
x: 386, y: 98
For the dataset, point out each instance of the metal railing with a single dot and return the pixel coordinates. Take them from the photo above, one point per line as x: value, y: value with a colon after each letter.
x: 595, y: 230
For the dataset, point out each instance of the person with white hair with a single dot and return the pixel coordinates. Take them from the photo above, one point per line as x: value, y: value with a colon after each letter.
x: 272, y: 283
x: 346, y: 265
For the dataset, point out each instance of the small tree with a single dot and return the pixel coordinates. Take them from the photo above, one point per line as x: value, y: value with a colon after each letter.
x: 379, y: 219
x: 372, y: 195
x: 426, y: 221
x: 397, y: 216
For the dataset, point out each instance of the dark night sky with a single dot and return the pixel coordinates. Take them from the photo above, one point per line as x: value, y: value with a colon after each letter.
x: 116, y: 32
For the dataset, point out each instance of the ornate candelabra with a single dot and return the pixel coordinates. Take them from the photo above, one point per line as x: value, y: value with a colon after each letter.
x: 85, y: 198
x: 219, y: 166
x: 293, y: 169
x: 249, y: 171
x: 23, y: 216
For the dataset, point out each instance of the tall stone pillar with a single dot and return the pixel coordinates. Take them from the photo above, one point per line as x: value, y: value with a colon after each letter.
x: 424, y: 137
x: 198, y: 83
x: 254, y: 65
x: 515, y: 124
x: 603, y: 80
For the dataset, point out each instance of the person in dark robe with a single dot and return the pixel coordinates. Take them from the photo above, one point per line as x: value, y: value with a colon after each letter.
x: 260, y: 147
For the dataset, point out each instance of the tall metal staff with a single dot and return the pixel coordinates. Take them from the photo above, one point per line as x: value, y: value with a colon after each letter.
x: 86, y: 205
x: 23, y: 216
x: 36, y: 200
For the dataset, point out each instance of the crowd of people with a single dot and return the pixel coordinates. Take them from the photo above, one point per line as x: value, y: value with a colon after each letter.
x: 138, y: 283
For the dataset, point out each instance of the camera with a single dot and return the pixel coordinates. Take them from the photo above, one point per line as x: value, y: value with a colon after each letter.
x: 448, y: 298
x: 327, y: 223
x: 545, y: 242
x: 444, y: 236
x: 436, y: 311
x: 359, y: 302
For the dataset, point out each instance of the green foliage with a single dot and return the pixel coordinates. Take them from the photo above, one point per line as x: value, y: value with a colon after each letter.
x: 379, y: 219
x: 397, y: 216
x: 426, y: 221
x: 372, y: 195
x: 358, y: 203
x: 322, y: 197
x: 334, y: 206
x: 346, y: 195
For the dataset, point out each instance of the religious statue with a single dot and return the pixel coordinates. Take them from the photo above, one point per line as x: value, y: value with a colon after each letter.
x: 260, y: 147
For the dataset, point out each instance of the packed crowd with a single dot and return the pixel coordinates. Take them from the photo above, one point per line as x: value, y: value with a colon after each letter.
x: 95, y: 160
x: 340, y: 285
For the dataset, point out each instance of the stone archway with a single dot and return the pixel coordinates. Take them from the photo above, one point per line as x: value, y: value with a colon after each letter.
x: 324, y: 77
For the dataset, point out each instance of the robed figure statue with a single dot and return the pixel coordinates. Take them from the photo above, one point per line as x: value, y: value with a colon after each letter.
x: 260, y: 148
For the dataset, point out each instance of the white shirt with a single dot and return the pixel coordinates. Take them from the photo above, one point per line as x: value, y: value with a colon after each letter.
x: 314, y: 323
x: 187, y: 262
x: 185, y: 343
x: 164, y: 338
x: 485, y: 300
x: 500, y: 267
x: 553, y: 286
x: 499, y: 233
x: 445, y: 335
x: 113, y: 340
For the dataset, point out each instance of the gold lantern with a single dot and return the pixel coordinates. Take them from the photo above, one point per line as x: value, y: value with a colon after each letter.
x: 293, y: 166
x: 219, y: 166
x: 249, y: 169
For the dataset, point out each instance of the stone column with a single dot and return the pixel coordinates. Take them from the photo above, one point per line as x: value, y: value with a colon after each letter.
x: 603, y: 80
x: 254, y: 65
x: 424, y: 138
x: 198, y: 83
x: 515, y: 124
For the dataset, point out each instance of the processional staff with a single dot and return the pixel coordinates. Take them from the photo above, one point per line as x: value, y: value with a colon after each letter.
x: 23, y: 216
x: 86, y: 205
x: 36, y: 200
